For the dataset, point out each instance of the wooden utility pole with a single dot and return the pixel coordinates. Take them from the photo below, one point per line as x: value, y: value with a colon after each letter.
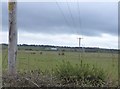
x: 12, y: 45
x: 79, y: 40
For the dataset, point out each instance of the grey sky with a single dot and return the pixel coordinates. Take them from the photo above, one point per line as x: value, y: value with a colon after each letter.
x: 41, y: 22
x: 95, y: 18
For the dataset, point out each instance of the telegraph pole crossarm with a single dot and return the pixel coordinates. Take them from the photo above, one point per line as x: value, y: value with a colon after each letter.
x: 79, y: 39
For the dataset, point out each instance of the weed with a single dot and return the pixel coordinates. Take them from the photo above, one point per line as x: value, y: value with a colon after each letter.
x: 84, y: 74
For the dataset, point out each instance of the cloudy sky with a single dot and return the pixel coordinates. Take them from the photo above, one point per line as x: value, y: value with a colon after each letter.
x: 57, y: 23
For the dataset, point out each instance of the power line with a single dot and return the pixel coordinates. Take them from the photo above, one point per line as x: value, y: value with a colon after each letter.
x: 79, y: 14
x: 62, y: 13
x: 70, y: 13
x: 80, y: 22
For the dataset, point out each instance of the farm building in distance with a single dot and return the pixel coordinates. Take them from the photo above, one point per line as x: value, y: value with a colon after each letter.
x: 61, y: 48
x: 54, y: 49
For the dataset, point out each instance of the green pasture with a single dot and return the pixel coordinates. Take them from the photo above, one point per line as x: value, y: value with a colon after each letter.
x: 32, y: 60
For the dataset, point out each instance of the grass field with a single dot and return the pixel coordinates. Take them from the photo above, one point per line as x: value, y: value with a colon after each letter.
x: 31, y: 60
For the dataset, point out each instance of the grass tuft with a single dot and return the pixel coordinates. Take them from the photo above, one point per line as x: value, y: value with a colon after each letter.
x: 81, y: 74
